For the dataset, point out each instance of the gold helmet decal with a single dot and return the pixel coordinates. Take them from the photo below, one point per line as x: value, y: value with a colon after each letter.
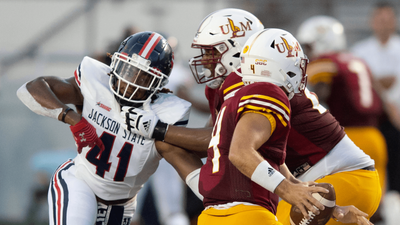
x: 238, y: 30
x: 290, y: 48
x: 246, y: 48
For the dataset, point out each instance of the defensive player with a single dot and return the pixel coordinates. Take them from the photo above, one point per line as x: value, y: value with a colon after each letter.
x: 99, y: 186
x: 199, y: 137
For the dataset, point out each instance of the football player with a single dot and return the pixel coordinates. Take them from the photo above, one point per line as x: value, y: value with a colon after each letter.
x: 344, y: 84
x: 99, y: 186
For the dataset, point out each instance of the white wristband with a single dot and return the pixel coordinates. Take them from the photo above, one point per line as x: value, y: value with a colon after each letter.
x: 266, y: 176
x: 26, y: 98
x: 192, y: 180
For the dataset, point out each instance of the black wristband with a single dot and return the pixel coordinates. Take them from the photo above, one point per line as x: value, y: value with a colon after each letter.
x: 65, y: 113
x: 160, y: 130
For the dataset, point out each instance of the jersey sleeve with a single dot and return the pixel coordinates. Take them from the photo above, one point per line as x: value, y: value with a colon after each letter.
x: 89, y: 70
x: 266, y: 99
x: 172, y: 109
x: 231, y: 85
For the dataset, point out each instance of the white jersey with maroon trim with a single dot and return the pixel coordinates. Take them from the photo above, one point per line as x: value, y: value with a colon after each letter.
x: 128, y: 159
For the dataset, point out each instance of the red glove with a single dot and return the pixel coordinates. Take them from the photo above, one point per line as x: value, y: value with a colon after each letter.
x: 85, y: 135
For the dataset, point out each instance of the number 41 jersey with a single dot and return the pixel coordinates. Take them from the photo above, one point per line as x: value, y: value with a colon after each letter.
x: 128, y: 159
x: 220, y: 181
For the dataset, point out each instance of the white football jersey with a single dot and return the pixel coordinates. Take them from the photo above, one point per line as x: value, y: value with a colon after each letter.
x: 129, y: 159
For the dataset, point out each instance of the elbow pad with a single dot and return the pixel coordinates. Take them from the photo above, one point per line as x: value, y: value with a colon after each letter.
x: 26, y: 98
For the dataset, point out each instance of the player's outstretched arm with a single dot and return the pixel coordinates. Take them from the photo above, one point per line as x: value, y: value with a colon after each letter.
x: 183, y: 161
x: 193, y: 139
x: 350, y: 214
x: 186, y: 163
x: 146, y: 123
x: 49, y: 95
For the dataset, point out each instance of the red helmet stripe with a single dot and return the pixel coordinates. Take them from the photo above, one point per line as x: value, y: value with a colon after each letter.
x: 150, y: 44
x: 123, y: 53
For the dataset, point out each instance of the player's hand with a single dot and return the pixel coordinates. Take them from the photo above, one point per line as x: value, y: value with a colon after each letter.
x: 300, y: 195
x: 350, y: 214
x: 144, y: 122
x: 85, y: 135
x: 139, y: 121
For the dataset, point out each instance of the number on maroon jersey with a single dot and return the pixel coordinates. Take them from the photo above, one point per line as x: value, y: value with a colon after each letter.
x: 215, y: 141
x: 364, y: 82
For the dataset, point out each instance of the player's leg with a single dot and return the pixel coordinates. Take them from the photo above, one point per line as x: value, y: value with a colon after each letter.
x: 283, y: 212
x: 238, y: 215
x: 373, y: 143
x: 71, y: 201
x: 169, y: 195
x: 360, y: 188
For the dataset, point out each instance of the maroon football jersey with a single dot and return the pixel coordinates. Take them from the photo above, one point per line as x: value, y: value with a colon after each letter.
x: 313, y: 134
x: 220, y: 181
x: 353, y: 101
x: 314, y: 131
x: 215, y: 97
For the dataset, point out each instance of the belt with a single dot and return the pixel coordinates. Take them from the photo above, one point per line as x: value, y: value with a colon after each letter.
x: 113, y: 202
x: 369, y: 168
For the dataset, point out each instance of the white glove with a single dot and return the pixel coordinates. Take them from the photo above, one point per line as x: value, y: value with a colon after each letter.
x: 144, y: 122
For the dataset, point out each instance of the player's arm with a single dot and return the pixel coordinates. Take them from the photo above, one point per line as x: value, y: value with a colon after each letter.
x: 193, y: 139
x: 390, y: 107
x: 186, y: 163
x: 350, y: 214
x: 287, y: 174
x: 251, y: 132
x: 49, y: 96
x: 147, y: 124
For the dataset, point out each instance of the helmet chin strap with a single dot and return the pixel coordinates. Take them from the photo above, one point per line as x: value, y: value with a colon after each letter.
x: 214, y: 84
x: 287, y: 86
x: 236, y: 71
x: 290, y: 95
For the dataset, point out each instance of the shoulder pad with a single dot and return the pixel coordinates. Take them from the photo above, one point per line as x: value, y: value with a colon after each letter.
x: 171, y: 109
x: 90, y: 69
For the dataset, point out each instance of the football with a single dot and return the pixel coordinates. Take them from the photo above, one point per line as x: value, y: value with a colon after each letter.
x: 327, y: 199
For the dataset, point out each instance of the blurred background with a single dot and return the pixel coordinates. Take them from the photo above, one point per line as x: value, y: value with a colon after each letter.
x: 50, y: 37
